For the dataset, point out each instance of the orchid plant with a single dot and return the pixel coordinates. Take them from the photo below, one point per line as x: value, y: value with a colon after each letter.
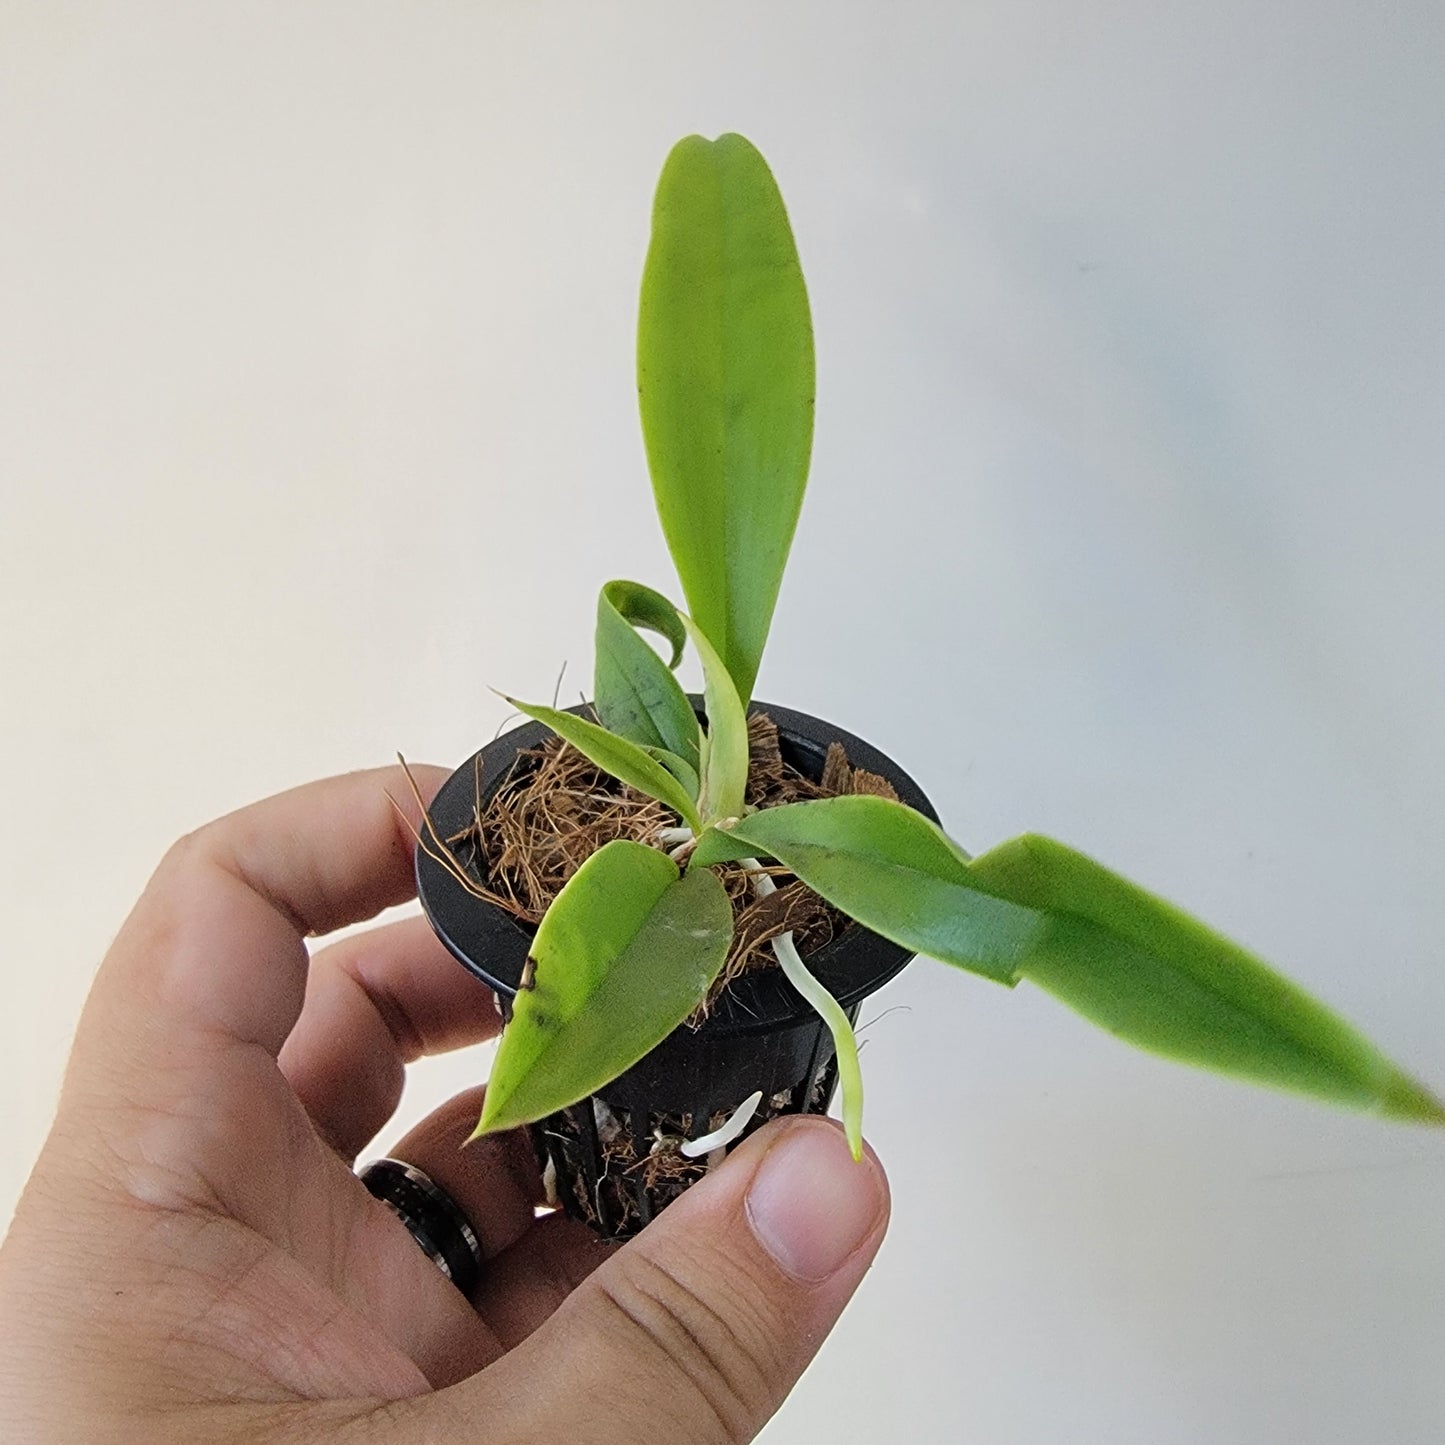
x: 636, y: 938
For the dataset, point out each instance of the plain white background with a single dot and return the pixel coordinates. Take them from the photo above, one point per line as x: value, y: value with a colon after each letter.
x: 317, y: 418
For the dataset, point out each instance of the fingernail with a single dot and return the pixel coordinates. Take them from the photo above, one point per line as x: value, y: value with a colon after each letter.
x: 810, y: 1206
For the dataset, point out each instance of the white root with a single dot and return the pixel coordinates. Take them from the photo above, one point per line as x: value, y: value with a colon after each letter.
x: 720, y: 1138
x: 845, y: 1047
x: 762, y: 882
x: 608, y: 1127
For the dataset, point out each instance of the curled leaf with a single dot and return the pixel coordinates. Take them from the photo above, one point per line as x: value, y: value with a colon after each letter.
x: 636, y: 694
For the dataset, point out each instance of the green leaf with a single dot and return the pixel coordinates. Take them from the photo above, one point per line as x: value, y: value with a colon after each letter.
x: 725, y: 383
x: 625, y: 761
x: 715, y: 845
x: 636, y: 695
x: 624, y: 954
x: 1123, y: 958
x: 895, y: 872
x: 680, y: 769
x: 644, y: 607
x: 1149, y: 973
x: 725, y: 744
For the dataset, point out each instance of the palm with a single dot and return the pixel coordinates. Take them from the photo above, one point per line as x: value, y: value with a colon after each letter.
x: 300, y: 1280
x: 330, y: 1262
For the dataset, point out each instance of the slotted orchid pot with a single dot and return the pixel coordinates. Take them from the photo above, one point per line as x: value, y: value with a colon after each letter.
x: 682, y: 901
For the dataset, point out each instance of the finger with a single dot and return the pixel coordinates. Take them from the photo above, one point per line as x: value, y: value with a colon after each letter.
x: 493, y: 1180
x: 531, y: 1265
x: 528, y: 1281
x: 214, y: 947
x: 375, y: 1003
x: 697, y: 1329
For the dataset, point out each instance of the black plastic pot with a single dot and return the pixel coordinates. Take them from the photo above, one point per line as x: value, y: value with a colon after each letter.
x: 761, y: 1035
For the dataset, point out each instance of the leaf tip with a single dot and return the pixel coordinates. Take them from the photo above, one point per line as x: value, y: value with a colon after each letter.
x: 495, y: 1118
x: 1410, y: 1101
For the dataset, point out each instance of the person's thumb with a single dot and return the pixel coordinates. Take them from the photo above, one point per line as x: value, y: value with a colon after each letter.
x: 697, y: 1329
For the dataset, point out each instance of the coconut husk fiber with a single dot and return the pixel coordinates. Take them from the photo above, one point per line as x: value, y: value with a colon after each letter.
x: 557, y: 808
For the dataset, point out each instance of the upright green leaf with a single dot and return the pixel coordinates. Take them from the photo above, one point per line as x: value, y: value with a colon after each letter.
x: 725, y: 745
x: 624, y: 954
x: 1149, y: 973
x: 725, y: 382
x: 894, y: 871
x: 625, y: 761
x: 636, y: 694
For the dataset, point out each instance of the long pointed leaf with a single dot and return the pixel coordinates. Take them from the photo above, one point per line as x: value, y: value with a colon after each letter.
x: 1149, y: 973
x: 894, y: 871
x: 725, y: 383
x: 625, y: 761
x: 626, y: 951
x: 635, y: 693
x: 1121, y: 957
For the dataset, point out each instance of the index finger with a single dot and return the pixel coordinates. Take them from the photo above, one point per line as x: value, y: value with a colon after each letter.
x: 215, y: 944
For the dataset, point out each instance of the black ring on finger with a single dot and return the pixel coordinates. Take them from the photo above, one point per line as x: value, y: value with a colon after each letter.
x: 432, y: 1218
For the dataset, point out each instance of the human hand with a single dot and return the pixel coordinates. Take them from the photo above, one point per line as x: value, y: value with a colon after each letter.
x: 194, y: 1260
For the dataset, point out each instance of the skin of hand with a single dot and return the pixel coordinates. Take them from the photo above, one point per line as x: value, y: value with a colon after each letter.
x: 193, y: 1258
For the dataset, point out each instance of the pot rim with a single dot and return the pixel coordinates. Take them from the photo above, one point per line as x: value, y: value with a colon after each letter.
x: 492, y: 945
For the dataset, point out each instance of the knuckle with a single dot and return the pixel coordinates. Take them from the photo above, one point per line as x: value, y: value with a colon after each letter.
x: 181, y: 859
x: 723, y: 1350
